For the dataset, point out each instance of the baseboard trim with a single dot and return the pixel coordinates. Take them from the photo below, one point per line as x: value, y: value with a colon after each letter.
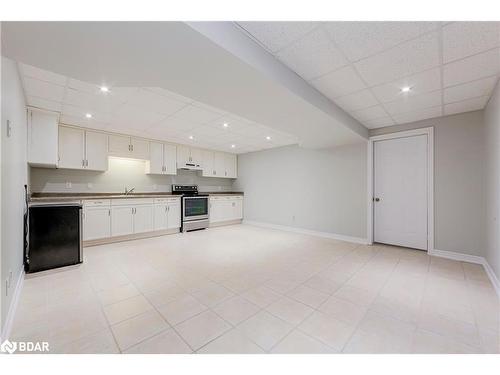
x: 471, y: 259
x: 9, y: 321
x: 457, y: 256
x: 333, y: 236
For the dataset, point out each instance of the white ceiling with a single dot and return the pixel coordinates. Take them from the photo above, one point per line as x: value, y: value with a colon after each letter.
x: 362, y: 66
x: 149, y: 112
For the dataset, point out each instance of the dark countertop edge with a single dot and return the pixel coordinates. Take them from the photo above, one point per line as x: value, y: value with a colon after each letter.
x: 36, y: 197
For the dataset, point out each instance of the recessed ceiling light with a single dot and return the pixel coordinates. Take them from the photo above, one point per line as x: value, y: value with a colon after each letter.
x: 406, y: 89
x: 104, y: 89
x: 191, y: 137
x: 88, y: 115
x: 268, y: 138
x: 225, y: 124
x: 233, y: 146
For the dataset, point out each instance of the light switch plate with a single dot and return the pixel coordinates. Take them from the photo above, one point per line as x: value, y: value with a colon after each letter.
x: 68, y: 185
x: 9, y: 129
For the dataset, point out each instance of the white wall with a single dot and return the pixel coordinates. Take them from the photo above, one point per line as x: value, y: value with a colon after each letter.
x: 320, y: 190
x: 121, y: 173
x: 492, y: 181
x: 458, y: 180
x: 14, y: 177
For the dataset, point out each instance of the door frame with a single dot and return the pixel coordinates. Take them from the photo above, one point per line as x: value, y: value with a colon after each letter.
x: 430, y: 179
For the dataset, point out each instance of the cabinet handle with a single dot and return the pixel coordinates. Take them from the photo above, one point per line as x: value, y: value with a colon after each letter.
x: 225, y: 173
x: 83, y: 162
x: 109, y: 212
x: 132, y: 147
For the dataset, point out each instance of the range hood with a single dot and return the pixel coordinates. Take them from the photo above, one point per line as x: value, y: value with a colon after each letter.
x: 190, y: 166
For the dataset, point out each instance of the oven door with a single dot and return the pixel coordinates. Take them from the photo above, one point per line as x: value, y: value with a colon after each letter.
x: 194, y: 208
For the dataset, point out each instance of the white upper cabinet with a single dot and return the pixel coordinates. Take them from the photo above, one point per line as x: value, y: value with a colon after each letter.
x: 155, y: 164
x: 79, y: 149
x: 96, y: 151
x: 170, y: 159
x: 139, y: 148
x: 208, y: 164
x: 71, y: 148
x: 119, y: 145
x: 187, y: 154
x: 162, y: 159
x: 128, y: 147
x: 231, y: 165
x: 42, y: 138
x: 219, y: 164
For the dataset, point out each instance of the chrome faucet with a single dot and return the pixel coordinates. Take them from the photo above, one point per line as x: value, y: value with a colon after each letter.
x: 127, y: 192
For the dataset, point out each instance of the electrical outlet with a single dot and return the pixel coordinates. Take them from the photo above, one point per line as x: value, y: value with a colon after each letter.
x: 68, y: 185
x: 90, y: 185
x: 155, y: 187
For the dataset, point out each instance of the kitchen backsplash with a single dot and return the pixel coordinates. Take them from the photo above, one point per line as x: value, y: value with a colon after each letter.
x: 122, y: 173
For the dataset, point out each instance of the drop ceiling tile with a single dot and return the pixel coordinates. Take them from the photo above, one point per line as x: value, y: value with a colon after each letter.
x: 150, y: 101
x: 420, y: 83
x: 77, y: 112
x: 84, y: 86
x: 252, y: 131
x: 44, y: 90
x: 208, y: 131
x: 379, y: 122
x: 276, y: 35
x: 169, y: 94
x: 369, y: 113
x: 362, y: 39
x: 340, y: 82
x: 135, y: 117
x: 466, y: 105
x: 471, y: 68
x: 403, y: 60
x: 91, y: 102
x: 43, y: 103
x: 177, y: 124
x: 313, y: 55
x: 418, y: 115
x: 81, y: 121
x: 413, y: 103
x: 359, y: 100
x: 42, y: 75
x: 462, y: 39
x: 481, y: 87
x: 196, y: 115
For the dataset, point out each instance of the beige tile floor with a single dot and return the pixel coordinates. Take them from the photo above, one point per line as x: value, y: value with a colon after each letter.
x: 243, y: 289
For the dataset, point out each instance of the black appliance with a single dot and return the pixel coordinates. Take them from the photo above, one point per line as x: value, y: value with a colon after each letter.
x: 54, y: 236
x: 194, y: 207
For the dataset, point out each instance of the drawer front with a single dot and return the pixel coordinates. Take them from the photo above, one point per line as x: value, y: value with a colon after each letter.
x: 167, y: 200
x: 97, y: 203
x: 131, y: 201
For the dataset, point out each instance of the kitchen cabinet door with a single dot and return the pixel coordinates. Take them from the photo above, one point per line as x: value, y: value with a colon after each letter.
x: 97, y: 223
x: 170, y: 158
x: 122, y: 220
x: 140, y: 149
x: 71, y: 148
x: 155, y: 164
x: 238, y: 209
x: 119, y: 145
x: 160, y: 217
x: 174, y: 214
x: 183, y: 155
x: 42, y: 138
x: 143, y: 218
x: 96, y: 151
x: 196, y: 155
x: 208, y: 164
x: 230, y: 163
x: 219, y: 164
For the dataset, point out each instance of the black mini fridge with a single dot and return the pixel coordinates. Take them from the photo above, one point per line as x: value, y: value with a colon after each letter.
x: 54, y: 236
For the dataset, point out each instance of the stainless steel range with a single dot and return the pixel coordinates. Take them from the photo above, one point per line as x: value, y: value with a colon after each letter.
x: 194, y: 207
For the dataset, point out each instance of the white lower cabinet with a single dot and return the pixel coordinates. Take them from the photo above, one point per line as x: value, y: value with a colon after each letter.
x: 167, y: 213
x: 96, y: 223
x: 122, y: 220
x: 226, y: 208
x: 143, y: 219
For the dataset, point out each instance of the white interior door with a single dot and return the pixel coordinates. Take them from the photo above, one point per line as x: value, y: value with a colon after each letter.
x: 400, y: 191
